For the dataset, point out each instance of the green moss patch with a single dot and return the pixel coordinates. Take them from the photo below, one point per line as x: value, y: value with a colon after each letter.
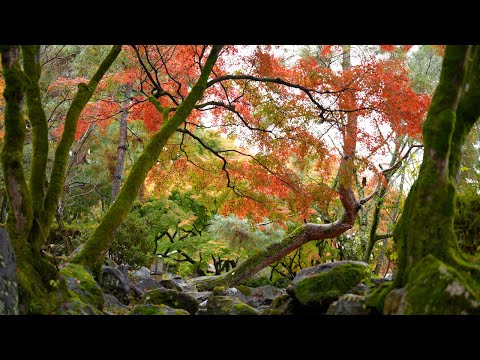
x: 81, y: 283
x: 150, y: 309
x: 322, y: 289
x: 225, y: 305
x: 173, y: 298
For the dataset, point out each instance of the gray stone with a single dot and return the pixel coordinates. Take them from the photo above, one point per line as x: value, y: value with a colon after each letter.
x: 263, y: 296
x: 143, y: 272
x: 8, y: 277
x: 116, y: 283
x: 146, y: 284
x: 113, y: 306
x: 123, y: 269
x: 348, y: 304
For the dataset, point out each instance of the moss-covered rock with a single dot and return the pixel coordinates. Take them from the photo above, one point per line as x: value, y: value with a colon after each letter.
x: 319, y: 290
x: 375, y: 299
x: 113, y: 306
x: 81, y: 283
x: 150, y: 309
x: 435, y: 288
x: 173, y: 298
x: 225, y: 305
x: 282, y: 305
x: 76, y: 307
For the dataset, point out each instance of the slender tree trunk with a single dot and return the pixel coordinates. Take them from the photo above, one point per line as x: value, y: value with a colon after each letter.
x: 381, y: 255
x: 378, y: 207
x: 122, y: 145
x: 96, y: 247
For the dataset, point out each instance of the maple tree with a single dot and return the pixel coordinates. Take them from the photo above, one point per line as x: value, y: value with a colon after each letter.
x: 287, y: 112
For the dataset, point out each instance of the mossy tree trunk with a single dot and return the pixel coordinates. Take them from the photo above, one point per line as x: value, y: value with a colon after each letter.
x: 372, y: 234
x: 122, y: 144
x: 426, y: 225
x: 33, y: 203
x: 93, y: 253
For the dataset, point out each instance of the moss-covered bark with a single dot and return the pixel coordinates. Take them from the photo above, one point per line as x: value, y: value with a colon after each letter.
x: 31, y: 211
x: 94, y: 251
x: 426, y: 225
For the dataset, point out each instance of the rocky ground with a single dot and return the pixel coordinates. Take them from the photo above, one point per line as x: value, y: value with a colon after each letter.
x: 338, y: 288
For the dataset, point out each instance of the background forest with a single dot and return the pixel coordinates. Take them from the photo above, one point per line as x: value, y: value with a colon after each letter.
x: 147, y: 170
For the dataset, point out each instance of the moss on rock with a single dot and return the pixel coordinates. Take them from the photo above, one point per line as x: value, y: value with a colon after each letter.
x: 375, y: 300
x: 173, y: 298
x: 225, y: 305
x: 151, y: 309
x: 320, y: 290
x: 81, y: 283
x: 245, y: 290
x: 75, y: 306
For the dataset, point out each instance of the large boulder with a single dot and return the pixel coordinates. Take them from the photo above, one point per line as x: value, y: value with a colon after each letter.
x: 435, y: 288
x: 83, y: 286
x: 348, y: 304
x: 144, y: 285
x: 316, y: 288
x: 150, y: 309
x: 173, y: 298
x: 115, y: 282
x: 226, y: 305
x: 8, y: 277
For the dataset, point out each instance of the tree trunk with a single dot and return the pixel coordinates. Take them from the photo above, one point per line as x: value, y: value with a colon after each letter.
x: 95, y: 249
x: 122, y: 145
x: 31, y: 209
x: 426, y: 225
x: 378, y: 207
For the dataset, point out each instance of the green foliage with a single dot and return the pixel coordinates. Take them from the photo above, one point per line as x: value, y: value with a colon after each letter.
x: 425, y: 65
x: 255, y: 282
x: 132, y: 244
